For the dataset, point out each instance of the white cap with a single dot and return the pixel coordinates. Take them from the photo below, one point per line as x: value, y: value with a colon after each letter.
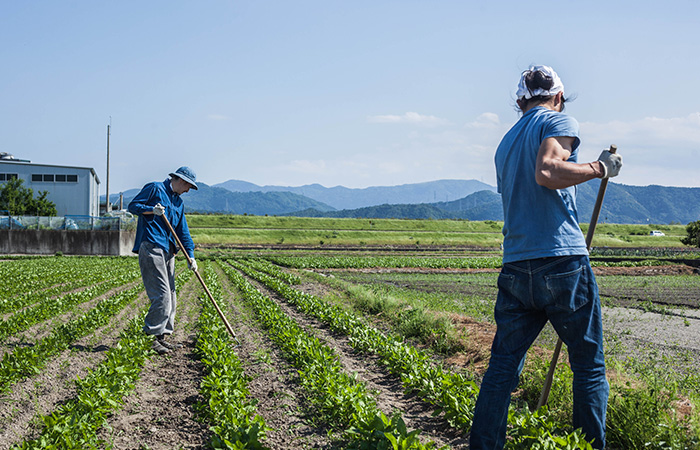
x: 524, y: 92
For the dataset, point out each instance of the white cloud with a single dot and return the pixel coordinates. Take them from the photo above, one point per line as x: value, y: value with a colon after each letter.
x: 485, y: 120
x: 651, y: 130
x: 655, y: 150
x: 410, y: 118
x: 662, y: 151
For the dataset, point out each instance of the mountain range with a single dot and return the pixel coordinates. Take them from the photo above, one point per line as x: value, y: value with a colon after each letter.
x: 340, y: 197
x: 442, y: 199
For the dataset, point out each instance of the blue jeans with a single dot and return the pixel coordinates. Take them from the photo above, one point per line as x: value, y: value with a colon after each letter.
x: 562, y: 290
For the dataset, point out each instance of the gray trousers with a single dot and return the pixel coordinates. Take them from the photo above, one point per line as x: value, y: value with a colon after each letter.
x: 158, y: 273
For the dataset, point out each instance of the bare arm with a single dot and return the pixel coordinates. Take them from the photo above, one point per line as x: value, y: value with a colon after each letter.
x: 554, y: 171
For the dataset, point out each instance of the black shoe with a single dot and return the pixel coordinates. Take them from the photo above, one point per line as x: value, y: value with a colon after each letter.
x: 159, y: 347
x: 169, y: 345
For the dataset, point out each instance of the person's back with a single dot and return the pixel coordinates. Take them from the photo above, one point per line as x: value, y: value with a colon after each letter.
x: 538, y: 221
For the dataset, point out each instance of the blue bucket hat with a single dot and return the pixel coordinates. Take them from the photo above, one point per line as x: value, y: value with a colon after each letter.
x: 187, y: 174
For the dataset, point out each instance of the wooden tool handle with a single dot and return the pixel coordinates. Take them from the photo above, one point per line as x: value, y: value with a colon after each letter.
x: 544, y: 395
x: 201, y: 280
x: 598, y: 205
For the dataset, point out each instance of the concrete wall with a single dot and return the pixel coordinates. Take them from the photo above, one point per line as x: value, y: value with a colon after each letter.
x: 68, y: 242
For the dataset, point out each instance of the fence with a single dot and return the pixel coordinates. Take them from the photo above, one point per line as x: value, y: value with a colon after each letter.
x: 69, y: 222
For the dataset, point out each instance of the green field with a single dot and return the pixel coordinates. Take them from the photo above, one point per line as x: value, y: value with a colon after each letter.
x: 344, y: 327
x: 222, y: 230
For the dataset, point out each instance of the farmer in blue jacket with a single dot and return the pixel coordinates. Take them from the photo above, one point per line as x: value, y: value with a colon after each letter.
x: 156, y: 248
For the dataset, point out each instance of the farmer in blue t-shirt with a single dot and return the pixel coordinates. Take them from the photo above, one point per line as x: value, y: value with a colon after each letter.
x: 156, y: 248
x: 546, y: 273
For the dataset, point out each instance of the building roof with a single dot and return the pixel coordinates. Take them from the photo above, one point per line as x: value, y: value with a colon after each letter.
x: 26, y: 163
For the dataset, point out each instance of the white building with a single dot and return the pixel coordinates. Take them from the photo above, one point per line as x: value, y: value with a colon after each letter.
x: 74, y: 190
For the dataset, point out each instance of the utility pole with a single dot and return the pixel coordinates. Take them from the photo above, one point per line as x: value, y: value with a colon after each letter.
x: 108, y: 209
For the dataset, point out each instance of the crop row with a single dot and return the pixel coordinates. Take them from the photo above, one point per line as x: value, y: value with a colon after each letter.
x: 49, y: 307
x: 667, y: 252
x: 357, y: 262
x: 418, y: 262
x: 75, y: 424
x: 453, y: 394
x: 267, y: 267
x: 337, y: 396
x: 33, y: 273
x: 235, y: 424
x: 26, y: 361
x: 34, y: 279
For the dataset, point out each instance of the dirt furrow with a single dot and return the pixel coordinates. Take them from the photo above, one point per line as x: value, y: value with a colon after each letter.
x: 160, y: 413
x: 274, y: 384
x: 28, y: 400
x: 42, y: 329
x: 389, y: 391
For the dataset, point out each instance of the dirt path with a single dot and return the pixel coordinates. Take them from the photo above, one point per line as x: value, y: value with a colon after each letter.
x: 671, y: 340
x: 160, y: 413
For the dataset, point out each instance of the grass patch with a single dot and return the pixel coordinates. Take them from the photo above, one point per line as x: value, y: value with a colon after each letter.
x: 264, y: 230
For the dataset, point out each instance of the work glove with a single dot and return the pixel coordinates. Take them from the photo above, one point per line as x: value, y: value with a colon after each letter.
x: 159, y: 209
x: 611, y: 163
x: 193, y: 265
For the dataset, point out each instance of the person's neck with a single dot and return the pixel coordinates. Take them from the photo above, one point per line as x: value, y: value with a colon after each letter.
x: 546, y: 105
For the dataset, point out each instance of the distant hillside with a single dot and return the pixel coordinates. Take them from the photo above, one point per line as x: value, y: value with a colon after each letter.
x: 668, y: 204
x: 341, y: 197
x: 208, y: 199
x: 623, y: 204
x: 421, y: 211
x: 640, y: 204
x: 128, y: 194
x: 482, y: 205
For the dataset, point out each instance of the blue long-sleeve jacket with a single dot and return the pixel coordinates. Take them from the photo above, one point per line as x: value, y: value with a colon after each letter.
x: 152, y: 228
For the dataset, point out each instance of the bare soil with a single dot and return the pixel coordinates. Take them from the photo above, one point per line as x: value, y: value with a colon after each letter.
x: 388, y: 389
x: 659, y: 327
x: 274, y: 384
x: 162, y: 412
x: 679, y: 269
x: 21, y: 407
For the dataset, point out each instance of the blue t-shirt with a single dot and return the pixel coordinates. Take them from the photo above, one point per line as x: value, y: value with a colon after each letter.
x: 152, y: 228
x: 539, y: 222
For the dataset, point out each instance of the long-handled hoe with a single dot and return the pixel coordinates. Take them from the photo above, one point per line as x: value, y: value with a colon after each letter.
x: 544, y: 396
x: 201, y: 280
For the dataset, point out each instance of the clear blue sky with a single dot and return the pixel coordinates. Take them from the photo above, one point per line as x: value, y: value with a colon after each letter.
x: 354, y: 93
